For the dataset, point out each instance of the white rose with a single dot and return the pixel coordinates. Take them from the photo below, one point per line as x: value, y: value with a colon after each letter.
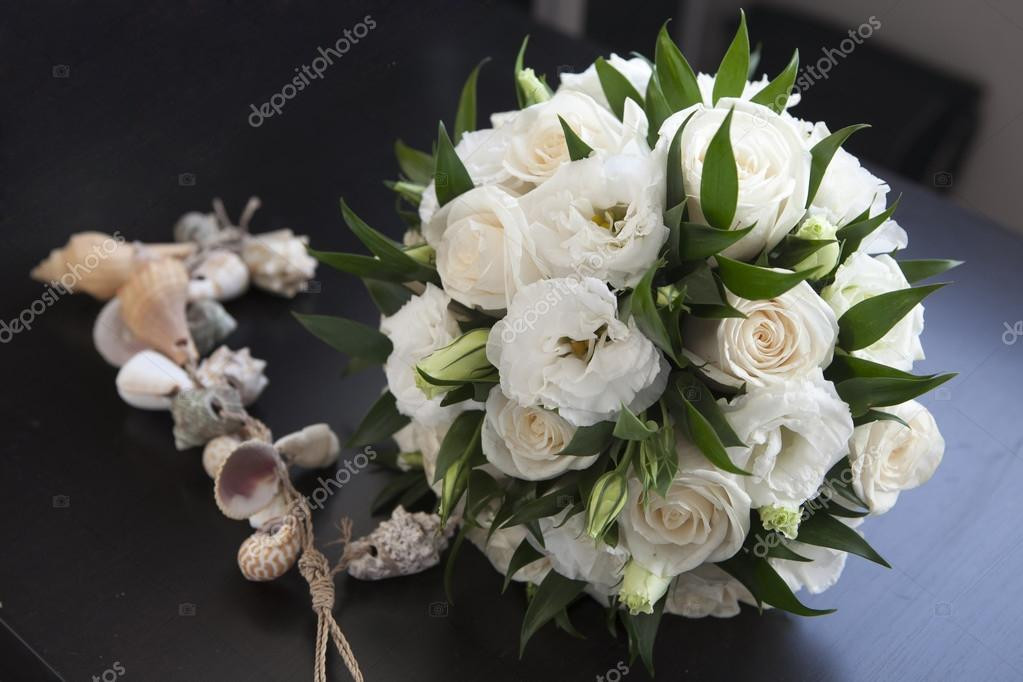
x: 821, y: 572
x: 705, y: 82
x: 636, y: 71
x: 794, y: 432
x: 562, y: 347
x: 426, y: 440
x: 862, y: 277
x: 502, y: 546
x: 576, y: 555
x: 601, y: 216
x: 773, y: 169
x: 704, y: 517
x: 706, y: 591
x: 786, y: 337
x: 524, y: 442
x: 887, y: 458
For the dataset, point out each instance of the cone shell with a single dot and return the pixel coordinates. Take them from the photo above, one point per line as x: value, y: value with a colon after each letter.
x: 249, y: 480
x: 216, y: 453
x: 313, y: 447
x: 153, y: 307
x: 269, y: 553
x: 112, y: 338
x: 150, y: 381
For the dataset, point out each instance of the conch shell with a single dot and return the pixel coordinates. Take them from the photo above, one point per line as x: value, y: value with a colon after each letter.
x: 222, y: 276
x: 403, y: 545
x: 236, y: 368
x: 314, y: 447
x: 270, y: 552
x: 153, y: 307
x: 112, y: 338
x: 202, y: 414
x: 249, y: 480
x: 278, y: 261
x: 209, y: 324
x: 149, y: 381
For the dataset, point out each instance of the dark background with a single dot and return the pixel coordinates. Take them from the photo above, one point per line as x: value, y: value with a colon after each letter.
x: 113, y: 550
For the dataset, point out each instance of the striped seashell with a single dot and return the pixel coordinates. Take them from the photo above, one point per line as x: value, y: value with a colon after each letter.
x: 271, y: 551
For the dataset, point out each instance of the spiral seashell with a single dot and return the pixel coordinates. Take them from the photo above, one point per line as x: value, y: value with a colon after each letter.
x: 153, y: 307
x: 201, y: 228
x: 112, y: 338
x: 150, y: 381
x: 279, y: 262
x: 404, y: 544
x: 222, y: 276
x: 217, y: 451
x: 202, y: 414
x: 269, y: 553
x: 249, y: 480
x: 314, y: 447
x: 209, y: 324
x: 236, y: 368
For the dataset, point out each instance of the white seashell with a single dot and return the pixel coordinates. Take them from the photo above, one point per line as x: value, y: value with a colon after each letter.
x: 114, y: 341
x: 217, y: 451
x: 314, y: 447
x: 271, y: 514
x: 278, y: 261
x: 209, y: 324
x: 197, y: 227
x: 403, y: 545
x: 201, y: 414
x: 236, y: 368
x: 150, y: 381
x: 221, y: 276
x: 249, y: 480
x: 269, y: 553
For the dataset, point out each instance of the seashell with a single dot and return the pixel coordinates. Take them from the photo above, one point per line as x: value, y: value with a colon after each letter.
x: 278, y: 261
x: 404, y: 544
x: 150, y: 381
x: 236, y: 368
x: 272, y: 513
x: 314, y: 447
x: 112, y: 338
x: 249, y: 480
x: 202, y: 414
x: 99, y: 264
x: 217, y: 451
x: 222, y: 276
x: 209, y: 324
x: 153, y: 307
x: 269, y: 553
x: 201, y: 228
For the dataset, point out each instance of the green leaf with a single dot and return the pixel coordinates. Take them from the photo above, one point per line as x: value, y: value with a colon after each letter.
x: 702, y: 433
x: 394, y: 489
x: 450, y: 177
x: 616, y: 87
x: 366, y: 267
x: 855, y: 232
x: 409, y: 191
x: 698, y: 242
x: 416, y: 492
x: 719, y: 181
x: 864, y: 393
x: 766, y: 585
x: 644, y: 311
x: 839, y: 480
x: 756, y: 283
x: 782, y: 551
x: 642, y: 631
x: 462, y: 438
x: 870, y: 319
x: 382, y: 420
x: 388, y: 251
x: 416, y: 165
x: 449, y: 565
x: 730, y: 79
x: 554, y: 594
x: 656, y: 107
x: 589, y: 440
x: 793, y: 250
x: 481, y: 488
x: 845, y: 366
x: 538, y: 508
x: 776, y: 94
x: 677, y: 79
x: 631, y: 427
x: 577, y: 149
x: 878, y: 416
x: 565, y: 623
x: 916, y: 270
x: 524, y: 555
x: 465, y: 117
x: 821, y: 155
x: 693, y: 390
x: 675, y: 185
x: 389, y: 297
x: 348, y: 336
x: 823, y: 530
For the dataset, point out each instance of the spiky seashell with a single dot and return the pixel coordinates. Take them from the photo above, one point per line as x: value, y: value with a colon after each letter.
x: 271, y: 513
x: 150, y: 381
x: 403, y: 545
x: 249, y: 480
x: 217, y: 451
x: 222, y: 275
x: 201, y: 414
x: 314, y: 447
x: 278, y: 261
x: 201, y: 228
x: 209, y: 323
x: 112, y: 338
x: 153, y: 307
x: 236, y: 368
x: 99, y: 264
x: 269, y: 553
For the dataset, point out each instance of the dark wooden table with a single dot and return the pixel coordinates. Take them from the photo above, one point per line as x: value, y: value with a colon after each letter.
x: 114, y: 556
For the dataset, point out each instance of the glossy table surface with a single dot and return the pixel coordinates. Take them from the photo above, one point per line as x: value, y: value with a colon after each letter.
x: 115, y: 560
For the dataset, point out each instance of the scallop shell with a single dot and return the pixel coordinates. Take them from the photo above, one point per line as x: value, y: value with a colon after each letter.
x: 153, y: 307
x: 150, y: 381
x: 201, y: 228
x: 404, y: 544
x: 112, y: 338
x: 249, y: 480
x: 222, y: 276
x: 217, y: 451
x: 269, y: 553
x: 209, y: 323
x: 278, y: 261
x: 314, y: 447
x: 236, y: 368
x: 202, y: 414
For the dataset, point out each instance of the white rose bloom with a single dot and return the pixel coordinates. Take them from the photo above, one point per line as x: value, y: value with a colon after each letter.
x: 786, y: 337
x: 478, y: 238
x: 887, y: 458
x: 706, y: 591
x: 705, y: 82
x: 773, y: 168
x: 862, y: 277
x: 576, y: 555
x: 703, y: 518
x: 601, y: 216
x: 817, y: 575
x: 418, y: 437
x: 636, y: 71
x: 524, y: 442
x: 794, y: 432
x: 562, y: 347
x: 502, y: 546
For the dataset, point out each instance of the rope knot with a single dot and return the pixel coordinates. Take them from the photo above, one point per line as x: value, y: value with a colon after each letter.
x: 316, y: 570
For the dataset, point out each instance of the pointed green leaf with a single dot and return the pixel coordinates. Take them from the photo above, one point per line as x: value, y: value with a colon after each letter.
x: 753, y: 282
x: 465, y: 117
x: 693, y: 390
x: 780, y: 550
x: 704, y: 436
x: 793, y: 250
x: 461, y: 440
x: 730, y: 79
x: 389, y: 297
x: 719, y: 182
x: 675, y: 184
x: 656, y: 107
x: 631, y: 427
x: 348, y: 336
x: 524, y: 555
x: 480, y: 490
x: 677, y: 79
x: 366, y: 267
x: 388, y: 251
x: 766, y: 585
x: 916, y: 270
x: 863, y: 393
x: 554, y: 594
x: 577, y: 149
x: 644, y: 311
x: 775, y: 94
x: 589, y: 440
x: 617, y: 87
x: 382, y: 420
x: 642, y: 631
x: 870, y: 319
x: 698, y: 242
x: 450, y: 177
x: 878, y: 416
x: 826, y: 531
x: 394, y: 489
x: 416, y: 165
x: 853, y: 234
x: 821, y: 155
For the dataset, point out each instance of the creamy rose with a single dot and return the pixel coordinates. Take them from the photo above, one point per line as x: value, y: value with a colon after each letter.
x: 636, y: 71
x: 887, y: 458
x: 576, y: 555
x: 562, y: 347
x: 786, y: 337
x: 502, y: 546
x: 862, y: 277
x: 706, y: 591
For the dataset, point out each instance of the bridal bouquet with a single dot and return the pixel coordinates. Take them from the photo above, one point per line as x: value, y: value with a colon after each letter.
x: 647, y: 338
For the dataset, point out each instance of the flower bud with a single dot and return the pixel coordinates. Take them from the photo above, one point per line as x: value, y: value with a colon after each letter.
x: 534, y: 89
x: 453, y: 486
x: 785, y: 520
x: 407, y: 461
x: 641, y: 589
x: 606, y: 501
x: 422, y: 253
x: 823, y: 260
x: 462, y: 361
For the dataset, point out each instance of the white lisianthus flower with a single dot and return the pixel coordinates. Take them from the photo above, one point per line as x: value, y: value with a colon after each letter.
x: 704, y: 517
x: 562, y: 347
x: 424, y: 439
x: 502, y: 546
x: 821, y: 572
x: 821, y: 262
x: 637, y: 71
x: 773, y: 169
x: 794, y: 432
x: 524, y: 442
x: 576, y: 555
x: 601, y: 216
x: 862, y: 277
x: 782, y: 338
x: 887, y: 458
x: 705, y: 82
x: 706, y: 591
